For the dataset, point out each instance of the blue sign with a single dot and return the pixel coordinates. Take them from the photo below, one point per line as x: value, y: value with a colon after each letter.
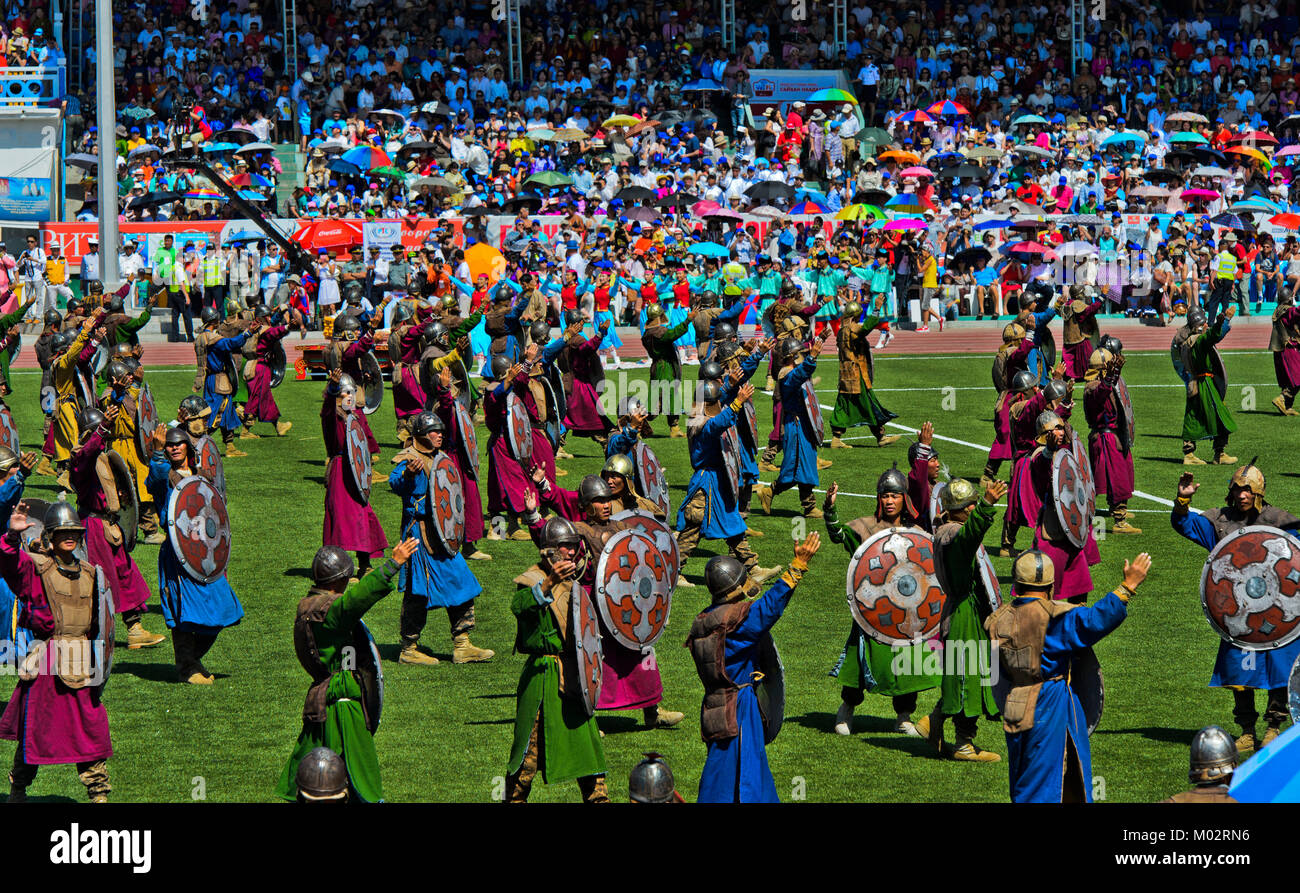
x: 25, y: 198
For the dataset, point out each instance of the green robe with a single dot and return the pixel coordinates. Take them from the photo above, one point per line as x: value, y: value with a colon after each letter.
x: 867, y: 664
x: 344, y: 729
x: 455, y: 334
x: 662, y: 351
x: 568, y: 738
x: 7, y: 322
x: 1206, y: 416
x: 862, y: 408
x: 965, y: 689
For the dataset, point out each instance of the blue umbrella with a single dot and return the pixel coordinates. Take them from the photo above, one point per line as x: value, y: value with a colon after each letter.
x: 251, y: 195
x: 992, y: 224
x: 807, y: 193
x: 1272, y: 775
x: 709, y: 249
x: 242, y: 237
x: 220, y: 147
x: 1122, y: 138
x: 339, y: 166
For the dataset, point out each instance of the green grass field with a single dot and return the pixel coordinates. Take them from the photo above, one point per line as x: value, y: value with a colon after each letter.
x: 446, y: 729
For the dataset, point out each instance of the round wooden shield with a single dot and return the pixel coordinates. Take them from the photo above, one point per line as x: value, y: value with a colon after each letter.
x: 101, y: 652
x: 127, y: 497
x: 467, y: 441
x: 85, y: 390
x: 445, y: 504
x: 893, y: 592
x: 729, y: 446
x: 146, y: 420
x: 198, y: 527
x: 554, y: 419
x: 987, y: 576
x: 634, y: 588
x: 650, y: 477
x: 357, y: 457
x: 1070, y: 501
x: 1127, y: 432
x: 208, y: 460
x: 1084, y: 463
x: 49, y: 399
x: 8, y: 430
x: 586, y: 641
x: 1176, y: 355
x: 771, y: 689
x: 370, y: 672
x: 519, y: 429
x: 664, y: 536
x: 817, y: 427
x: 1250, y: 588
x: 1218, y: 373
x: 1046, y: 347
x: 372, y: 382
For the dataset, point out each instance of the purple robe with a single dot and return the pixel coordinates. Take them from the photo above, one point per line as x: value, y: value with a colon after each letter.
x: 1071, y: 562
x: 1286, y: 362
x: 349, y: 523
x: 53, y: 723
x: 508, y: 485
x: 261, y: 404
x: 585, y: 417
x: 351, y: 365
x: 1022, y: 502
x: 130, y: 591
x: 1112, y: 469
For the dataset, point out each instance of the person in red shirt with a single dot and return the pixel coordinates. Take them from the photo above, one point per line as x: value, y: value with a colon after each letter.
x: 1182, y: 49
x: 1031, y: 192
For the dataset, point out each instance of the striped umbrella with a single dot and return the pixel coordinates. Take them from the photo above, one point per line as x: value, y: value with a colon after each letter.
x: 367, y: 158
x: 916, y: 116
x: 808, y: 207
x: 948, y: 107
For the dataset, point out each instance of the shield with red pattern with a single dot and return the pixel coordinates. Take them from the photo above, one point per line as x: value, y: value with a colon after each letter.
x: 987, y: 577
x: 893, y: 591
x: 634, y: 588
x: 1250, y: 588
x: 198, y: 528
x: 357, y: 456
x: 1082, y: 460
x: 650, y: 477
x: 816, y: 425
x: 1124, y: 430
x: 660, y: 532
x: 729, y: 446
x: 8, y: 430
x: 519, y: 429
x: 445, y: 504
x: 586, y: 641
x: 1072, y: 506
x: 146, y: 420
x: 467, y: 442
x: 207, y: 460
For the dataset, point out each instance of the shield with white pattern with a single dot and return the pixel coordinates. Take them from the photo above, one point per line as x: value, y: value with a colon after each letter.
x: 662, y: 534
x: 651, y: 480
x: 634, y: 588
x: 357, y: 457
x: 519, y: 429
x: 198, y: 527
x: 893, y: 590
x: 446, y: 503
x: 1250, y: 588
x: 1072, y: 506
x: 586, y: 640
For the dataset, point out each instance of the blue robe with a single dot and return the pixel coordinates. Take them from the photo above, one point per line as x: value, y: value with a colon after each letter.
x: 735, y: 770
x: 721, y: 515
x: 222, y: 405
x: 798, y: 455
x: 622, y: 440
x: 514, y: 330
x: 1036, y: 758
x: 1033, y: 361
x: 748, y: 461
x: 1236, y: 666
x: 444, y: 580
x: 188, y: 604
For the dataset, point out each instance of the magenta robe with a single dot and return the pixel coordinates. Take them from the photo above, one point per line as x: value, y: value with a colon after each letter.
x: 129, y: 588
x: 349, y: 523
x: 1075, y: 356
x: 261, y: 402
x: 585, y: 417
x: 508, y: 485
x: 53, y: 723
x: 1072, y: 575
x: 1022, y: 502
x: 1112, y: 469
x: 1286, y: 362
x: 351, y: 365
x: 630, y: 682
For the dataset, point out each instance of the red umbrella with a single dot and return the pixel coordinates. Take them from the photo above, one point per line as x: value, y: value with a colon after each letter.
x: 319, y: 234
x: 1287, y: 221
x: 1255, y: 136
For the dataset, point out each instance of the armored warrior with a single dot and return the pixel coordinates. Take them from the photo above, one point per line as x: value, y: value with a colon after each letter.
x: 261, y: 406
x: 350, y: 520
x: 1010, y: 359
x: 584, y: 381
x: 1213, y: 760
x: 1285, y: 344
x: 1073, y: 580
x: 726, y: 641
x: 665, y: 367
x: 216, y: 362
x: 1206, y: 417
x: 1236, y: 668
x: 619, y: 476
x: 1111, y: 458
x: 56, y: 714
x: 509, y: 483
x: 554, y: 733
x: 124, y: 438
x: 1079, y: 328
x: 856, y: 404
x: 436, y: 576
x: 1040, y: 644
x: 1028, y: 402
x: 64, y: 436
x: 353, y: 341
x: 99, y: 504
x: 865, y: 664
x: 195, y: 611
x: 799, y: 462
x: 334, y: 647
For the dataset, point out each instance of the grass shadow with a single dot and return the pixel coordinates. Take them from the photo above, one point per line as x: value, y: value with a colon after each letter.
x: 148, y: 672
x: 298, y: 572
x: 319, y: 463
x: 1154, y: 733
x: 490, y: 722
x: 314, y: 479
x: 1166, y: 459
x: 619, y: 725
x: 914, y: 747
x: 860, y: 725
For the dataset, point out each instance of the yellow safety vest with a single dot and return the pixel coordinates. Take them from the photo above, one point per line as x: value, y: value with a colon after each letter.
x: 1225, y: 265
x: 211, y: 269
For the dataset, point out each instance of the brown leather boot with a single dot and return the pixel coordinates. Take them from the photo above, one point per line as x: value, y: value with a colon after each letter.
x: 411, y: 654
x: 282, y: 428
x: 139, y: 637
x: 467, y: 653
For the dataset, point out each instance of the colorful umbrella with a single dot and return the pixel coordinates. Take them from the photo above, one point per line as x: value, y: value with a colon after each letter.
x: 992, y: 224
x: 392, y: 173
x: 621, y: 121
x: 205, y: 195
x: 917, y: 171
x: 216, y: 148
x: 1027, y: 248
x: 901, y: 157
x: 808, y: 207
x: 1029, y: 119
x: 947, y: 107
x: 858, y: 212
x: 709, y: 249
x: 550, y: 178
x: 917, y: 116
x: 1286, y: 152
x: 1199, y: 194
x: 1253, y: 138
x: 1247, y: 152
x: 367, y: 158
x: 1128, y: 137
x: 833, y: 94
x: 699, y: 209
x: 908, y: 204
x: 723, y: 214
x: 249, y: 180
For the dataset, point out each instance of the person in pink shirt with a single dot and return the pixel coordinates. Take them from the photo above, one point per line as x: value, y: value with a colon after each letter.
x: 1059, y: 197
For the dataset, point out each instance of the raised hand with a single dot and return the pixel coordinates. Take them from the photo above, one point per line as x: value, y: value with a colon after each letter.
x: 530, y: 500
x: 159, y: 437
x: 18, y: 520
x: 403, y: 551
x: 808, y: 548
x: 828, y: 504
x: 746, y: 392
x: 28, y: 461
x: 563, y: 569
x: 530, y: 352
x: 336, y: 375
x: 1136, y: 571
x: 1187, y: 486
x: 927, y: 433
x: 995, y: 491
x: 112, y: 412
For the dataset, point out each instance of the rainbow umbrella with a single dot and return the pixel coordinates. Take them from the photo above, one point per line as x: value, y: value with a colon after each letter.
x: 908, y: 204
x: 948, y: 107
x: 906, y: 223
x: 916, y: 116
x: 1247, y: 152
x: 858, y: 212
x: 367, y: 158
x: 808, y: 207
x: 205, y: 195
x: 833, y: 94
x: 249, y: 180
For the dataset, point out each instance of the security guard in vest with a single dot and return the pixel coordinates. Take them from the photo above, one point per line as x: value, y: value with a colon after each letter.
x: 1226, y: 270
x: 213, y: 266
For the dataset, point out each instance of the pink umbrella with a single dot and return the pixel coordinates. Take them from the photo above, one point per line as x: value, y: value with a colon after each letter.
x: 906, y: 223
x: 723, y: 213
x: 699, y: 209
x: 1287, y: 152
x: 1206, y: 194
x: 916, y: 171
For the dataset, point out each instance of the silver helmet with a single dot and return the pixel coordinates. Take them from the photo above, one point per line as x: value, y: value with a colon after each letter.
x: 723, y: 574
x: 331, y: 563
x: 322, y: 776
x: 651, y: 781
x: 1213, y: 756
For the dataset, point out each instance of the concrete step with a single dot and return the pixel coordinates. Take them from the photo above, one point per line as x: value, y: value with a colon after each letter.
x: 292, y: 165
